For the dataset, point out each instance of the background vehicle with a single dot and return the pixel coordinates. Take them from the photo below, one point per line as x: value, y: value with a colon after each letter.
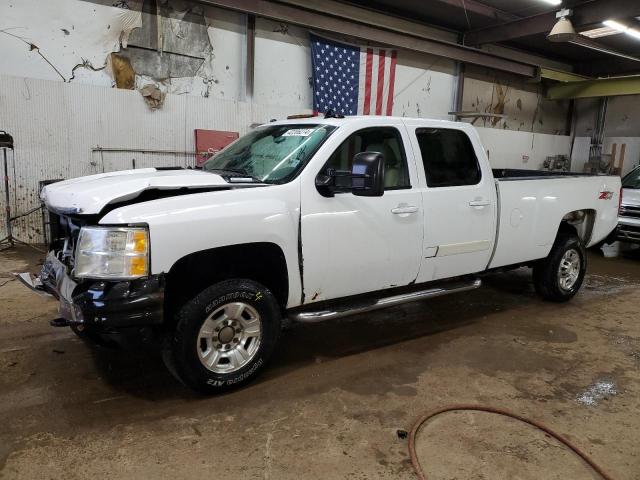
x: 311, y: 219
x: 629, y: 220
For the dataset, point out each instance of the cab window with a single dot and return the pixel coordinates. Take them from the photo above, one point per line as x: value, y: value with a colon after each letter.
x: 384, y: 140
x: 448, y: 157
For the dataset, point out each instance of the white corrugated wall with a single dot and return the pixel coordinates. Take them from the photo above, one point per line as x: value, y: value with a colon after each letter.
x: 55, y: 125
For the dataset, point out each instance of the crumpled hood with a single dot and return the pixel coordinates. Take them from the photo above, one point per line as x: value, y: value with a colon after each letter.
x: 89, y: 195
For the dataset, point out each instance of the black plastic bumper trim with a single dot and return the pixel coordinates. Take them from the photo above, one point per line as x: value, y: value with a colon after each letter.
x: 132, y: 303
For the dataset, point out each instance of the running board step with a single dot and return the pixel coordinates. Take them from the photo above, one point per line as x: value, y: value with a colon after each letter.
x: 370, y: 304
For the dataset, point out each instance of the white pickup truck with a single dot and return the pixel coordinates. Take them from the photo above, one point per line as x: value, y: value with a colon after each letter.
x: 310, y: 219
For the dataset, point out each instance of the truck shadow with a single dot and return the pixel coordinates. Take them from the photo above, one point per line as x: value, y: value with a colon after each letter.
x: 508, y: 297
x: 356, y: 334
x: 142, y: 374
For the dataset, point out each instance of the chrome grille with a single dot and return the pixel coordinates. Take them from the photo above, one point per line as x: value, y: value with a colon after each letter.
x: 632, y: 211
x: 628, y: 233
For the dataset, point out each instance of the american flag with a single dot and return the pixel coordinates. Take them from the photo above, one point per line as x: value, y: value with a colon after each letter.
x: 352, y: 80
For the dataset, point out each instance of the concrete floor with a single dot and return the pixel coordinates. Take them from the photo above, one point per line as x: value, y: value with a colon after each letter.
x: 335, y: 395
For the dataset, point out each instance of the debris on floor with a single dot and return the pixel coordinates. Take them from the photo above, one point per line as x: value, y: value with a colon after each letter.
x: 600, y: 390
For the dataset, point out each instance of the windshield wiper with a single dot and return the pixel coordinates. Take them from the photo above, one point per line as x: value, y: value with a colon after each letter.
x: 238, y: 172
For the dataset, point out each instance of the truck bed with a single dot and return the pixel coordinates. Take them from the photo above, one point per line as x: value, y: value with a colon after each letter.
x: 530, y: 212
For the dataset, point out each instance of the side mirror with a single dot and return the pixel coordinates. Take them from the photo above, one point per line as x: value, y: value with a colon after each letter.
x: 325, y: 185
x: 367, y: 174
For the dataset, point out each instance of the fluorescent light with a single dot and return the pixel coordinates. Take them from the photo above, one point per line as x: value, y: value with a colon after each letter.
x: 616, y: 26
x: 553, y: 2
x: 634, y: 33
x: 600, y: 32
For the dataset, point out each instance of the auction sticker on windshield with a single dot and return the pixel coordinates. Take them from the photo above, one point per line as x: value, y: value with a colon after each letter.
x: 298, y: 132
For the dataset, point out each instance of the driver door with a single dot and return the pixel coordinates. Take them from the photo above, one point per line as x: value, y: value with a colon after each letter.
x: 352, y: 244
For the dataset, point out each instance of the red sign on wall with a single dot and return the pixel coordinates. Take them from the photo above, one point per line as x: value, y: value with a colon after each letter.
x: 209, y: 142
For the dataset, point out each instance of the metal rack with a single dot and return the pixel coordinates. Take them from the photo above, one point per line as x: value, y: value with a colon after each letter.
x: 6, y: 144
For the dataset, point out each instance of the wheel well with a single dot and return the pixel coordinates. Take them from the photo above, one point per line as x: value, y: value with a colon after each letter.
x: 579, y: 222
x: 261, y: 262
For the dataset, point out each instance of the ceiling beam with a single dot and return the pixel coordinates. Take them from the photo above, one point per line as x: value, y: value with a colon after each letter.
x: 375, y: 18
x: 526, y: 57
x: 608, y: 87
x: 607, y: 67
x: 482, y: 9
x: 585, y: 14
x: 411, y: 27
x: 333, y: 25
x: 560, y: 76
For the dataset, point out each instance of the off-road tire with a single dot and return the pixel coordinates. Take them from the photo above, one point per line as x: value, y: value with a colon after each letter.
x: 180, y: 351
x: 545, y: 272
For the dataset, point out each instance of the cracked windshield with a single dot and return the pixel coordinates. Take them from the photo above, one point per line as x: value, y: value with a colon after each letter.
x: 270, y: 154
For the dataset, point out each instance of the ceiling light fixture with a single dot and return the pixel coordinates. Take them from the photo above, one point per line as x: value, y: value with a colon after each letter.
x: 553, y: 2
x: 563, y: 30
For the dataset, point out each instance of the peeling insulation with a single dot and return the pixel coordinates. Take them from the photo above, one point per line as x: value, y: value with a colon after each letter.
x: 120, y: 69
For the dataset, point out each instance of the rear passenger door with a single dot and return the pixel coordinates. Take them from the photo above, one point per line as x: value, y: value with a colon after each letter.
x: 459, y: 201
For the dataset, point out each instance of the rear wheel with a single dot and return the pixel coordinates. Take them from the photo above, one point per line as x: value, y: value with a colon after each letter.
x: 559, y: 276
x: 224, y: 336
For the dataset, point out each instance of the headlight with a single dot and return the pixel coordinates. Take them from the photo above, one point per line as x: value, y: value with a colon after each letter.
x: 112, y: 252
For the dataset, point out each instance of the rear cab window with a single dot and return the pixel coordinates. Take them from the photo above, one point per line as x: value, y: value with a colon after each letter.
x: 448, y: 157
x: 632, y: 179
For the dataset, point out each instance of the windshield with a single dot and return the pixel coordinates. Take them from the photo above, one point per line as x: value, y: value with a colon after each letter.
x: 632, y: 180
x: 271, y: 154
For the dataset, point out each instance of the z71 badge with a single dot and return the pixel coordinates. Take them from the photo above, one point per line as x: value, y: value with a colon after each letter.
x: 605, y: 196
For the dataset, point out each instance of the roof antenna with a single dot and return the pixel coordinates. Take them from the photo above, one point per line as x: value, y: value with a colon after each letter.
x: 331, y: 114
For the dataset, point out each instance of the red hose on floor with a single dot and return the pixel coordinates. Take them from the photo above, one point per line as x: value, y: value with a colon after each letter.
x: 479, y: 408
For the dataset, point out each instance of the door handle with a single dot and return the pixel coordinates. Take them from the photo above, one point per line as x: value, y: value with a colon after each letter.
x: 404, y: 210
x: 479, y: 203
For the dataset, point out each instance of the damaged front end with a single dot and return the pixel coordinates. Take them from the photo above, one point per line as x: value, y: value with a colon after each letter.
x: 102, y: 306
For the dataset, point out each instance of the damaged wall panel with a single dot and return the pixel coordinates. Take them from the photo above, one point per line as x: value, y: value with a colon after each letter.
x: 48, y: 40
x: 179, y: 46
x: 522, y: 102
x: 186, y: 48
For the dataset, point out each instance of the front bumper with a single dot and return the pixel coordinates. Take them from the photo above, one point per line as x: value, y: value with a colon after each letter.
x: 103, y: 304
x: 628, y: 231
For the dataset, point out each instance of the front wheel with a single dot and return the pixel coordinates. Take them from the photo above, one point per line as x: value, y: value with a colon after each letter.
x: 559, y: 276
x: 224, y: 336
